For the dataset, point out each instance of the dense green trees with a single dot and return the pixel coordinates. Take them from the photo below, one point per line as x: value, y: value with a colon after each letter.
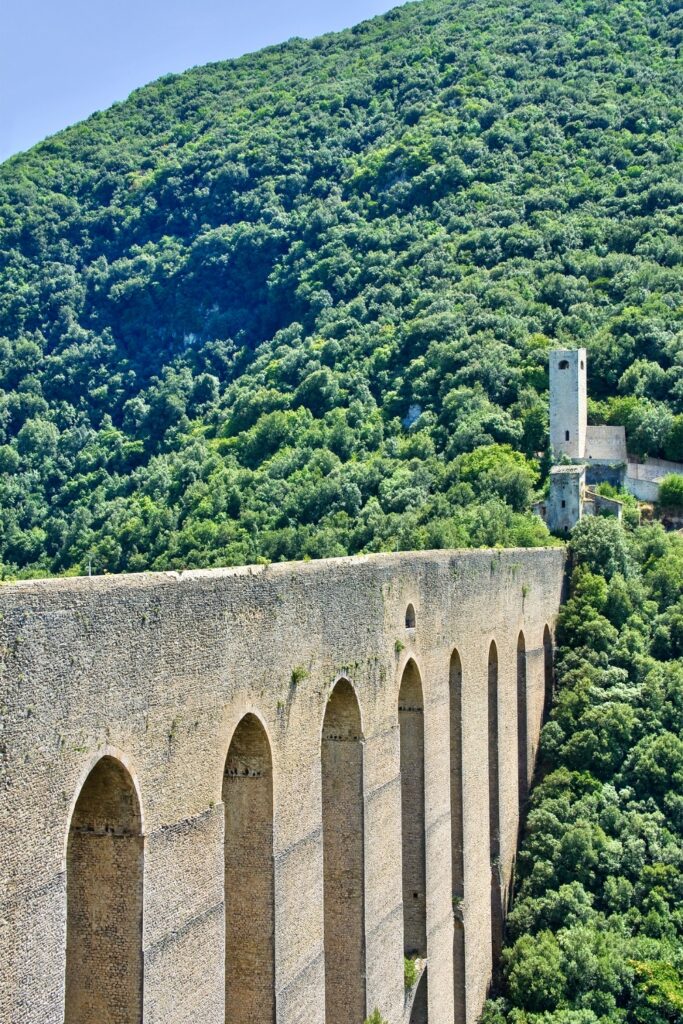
x: 264, y: 308
x: 595, y: 935
x: 300, y: 305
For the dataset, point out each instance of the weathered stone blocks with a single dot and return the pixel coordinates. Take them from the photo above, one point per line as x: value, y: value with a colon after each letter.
x: 158, y: 671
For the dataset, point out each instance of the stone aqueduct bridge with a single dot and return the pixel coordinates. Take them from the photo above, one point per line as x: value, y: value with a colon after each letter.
x: 239, y: 795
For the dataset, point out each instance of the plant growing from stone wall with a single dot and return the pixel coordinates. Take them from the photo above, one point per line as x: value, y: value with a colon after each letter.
x: 375, y: 1018
x: 409, y: 972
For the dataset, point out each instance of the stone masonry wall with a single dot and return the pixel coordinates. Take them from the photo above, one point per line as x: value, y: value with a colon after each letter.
x: 157, y: 671
x: 105, y: 864
x: 342, y: 821
x: 249, y: 881
x: 413, y: 843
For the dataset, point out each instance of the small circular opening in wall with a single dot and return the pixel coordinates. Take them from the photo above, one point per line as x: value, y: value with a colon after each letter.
x: 410, y: 617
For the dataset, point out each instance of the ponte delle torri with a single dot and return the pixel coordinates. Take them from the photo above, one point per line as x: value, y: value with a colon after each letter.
x: 240, y: 795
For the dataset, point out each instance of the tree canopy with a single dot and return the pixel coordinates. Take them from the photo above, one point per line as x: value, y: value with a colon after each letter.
x: 281, y: 306
x: 595, y: 935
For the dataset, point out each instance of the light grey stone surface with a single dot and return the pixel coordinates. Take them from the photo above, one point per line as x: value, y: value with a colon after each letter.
x: 157, y: 670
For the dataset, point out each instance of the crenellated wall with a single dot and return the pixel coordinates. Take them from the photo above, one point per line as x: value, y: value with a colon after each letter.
x: 155, y: 673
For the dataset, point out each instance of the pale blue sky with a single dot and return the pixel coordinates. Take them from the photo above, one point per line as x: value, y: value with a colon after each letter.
x: 60, y: 60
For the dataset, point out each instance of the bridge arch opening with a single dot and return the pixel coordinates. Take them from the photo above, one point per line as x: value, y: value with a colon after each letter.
x: 548, y: 671
x: 457, y: 822
x: 341, y: 755
x: 249, y: 877
x: 104, y: 891
x: 419, y: 1012
x: 413, y: 842
x: 494, y: 808
x: 522, y: 727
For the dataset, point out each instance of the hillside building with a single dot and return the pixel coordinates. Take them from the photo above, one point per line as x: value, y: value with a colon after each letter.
x: 568, y: 403
x: 586, y: 456
x: 601, y: 448
x: 570, y: 499
x: 565, y: 497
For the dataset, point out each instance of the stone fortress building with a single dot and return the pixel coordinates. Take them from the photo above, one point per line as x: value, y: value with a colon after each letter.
x: 240, y: 796
x: 586, y: 456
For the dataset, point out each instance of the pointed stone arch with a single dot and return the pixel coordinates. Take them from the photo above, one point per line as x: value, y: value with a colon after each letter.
x: 522, y: 727
x: 413, y: 839
x: 457, y: 836
x: 419, y: 1011
x: 494, y: 807
x: 249, y: 876
x: 493, y: 749
x: 548, y: 671
x: 104, y: 887
x: 341, y: 757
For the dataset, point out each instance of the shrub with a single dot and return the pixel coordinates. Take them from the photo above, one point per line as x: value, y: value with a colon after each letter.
x: 671, y: 491
x: 375, y: 1018
x: 299, y: 674
x: 409, y: 971
x: 534, y: 972
x: 601, y: 545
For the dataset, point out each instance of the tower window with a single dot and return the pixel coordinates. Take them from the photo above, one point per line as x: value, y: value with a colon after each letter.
x: 566, y: 435
x: 564, y: 504
x: 582, y: 366
x: 564, y: 364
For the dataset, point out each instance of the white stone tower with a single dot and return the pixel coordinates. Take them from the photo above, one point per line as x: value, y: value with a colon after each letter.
x: 568, y: 402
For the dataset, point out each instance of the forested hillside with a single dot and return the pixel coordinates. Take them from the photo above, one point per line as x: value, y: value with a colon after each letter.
x: 596, y: 930
x: 300, y: 304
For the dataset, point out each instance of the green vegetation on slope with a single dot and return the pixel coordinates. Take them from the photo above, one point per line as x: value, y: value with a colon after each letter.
x: 596, y: 931
x: 281, y: 306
